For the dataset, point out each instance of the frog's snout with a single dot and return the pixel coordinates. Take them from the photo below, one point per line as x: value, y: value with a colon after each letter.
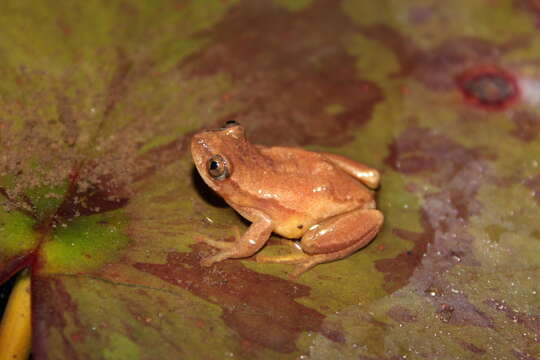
x: 200, y: 151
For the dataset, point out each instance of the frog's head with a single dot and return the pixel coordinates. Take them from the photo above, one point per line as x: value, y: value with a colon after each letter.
x: 217, y: 154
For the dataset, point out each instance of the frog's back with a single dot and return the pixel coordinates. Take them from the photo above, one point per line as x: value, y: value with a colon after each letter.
x: 308, y: 187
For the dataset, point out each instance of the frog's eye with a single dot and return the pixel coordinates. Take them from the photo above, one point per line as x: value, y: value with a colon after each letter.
x: 218, y: 167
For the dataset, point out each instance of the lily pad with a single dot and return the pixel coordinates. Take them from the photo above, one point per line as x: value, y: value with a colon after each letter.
x: 99, y: 196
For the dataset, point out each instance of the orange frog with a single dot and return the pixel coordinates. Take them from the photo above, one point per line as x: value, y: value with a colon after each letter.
x: 321, y: 198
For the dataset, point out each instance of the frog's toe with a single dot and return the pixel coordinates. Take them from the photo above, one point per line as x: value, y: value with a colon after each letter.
x: 211, y: 260
x: 302, y: 268
x: 295, y: 258
x: 218, y: 244
x: 302, y: 261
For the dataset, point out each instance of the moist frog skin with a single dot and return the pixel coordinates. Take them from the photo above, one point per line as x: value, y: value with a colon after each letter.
x: 326, y: 200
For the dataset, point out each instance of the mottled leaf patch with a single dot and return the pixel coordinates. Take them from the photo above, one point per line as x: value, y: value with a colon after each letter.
x: 529, y: 321
x: 455, y: 60
x: 97, y: 104
x: 260, y: 308
x: 458, y: 172
x: 399, y: 269
x: 291, y: 71
x: 53, y: 308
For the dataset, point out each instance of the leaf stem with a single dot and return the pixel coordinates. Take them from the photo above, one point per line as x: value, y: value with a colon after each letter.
x: 15, y: 329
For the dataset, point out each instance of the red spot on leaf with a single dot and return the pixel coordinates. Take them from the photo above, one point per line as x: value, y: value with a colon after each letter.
x: 438, y: 68
x: 488, y: 87
x: 77, y: 337
x: 64, y: 27
x: 200, y: 324
x: 405, y: 90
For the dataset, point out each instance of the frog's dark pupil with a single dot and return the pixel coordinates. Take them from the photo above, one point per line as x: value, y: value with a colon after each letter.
x: 217, y: 167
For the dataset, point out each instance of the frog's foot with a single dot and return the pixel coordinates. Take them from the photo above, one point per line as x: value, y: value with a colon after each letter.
x: 295, y: 258
x: 243, y: 246
x: 224, y: 246
x: 210, y: 260
x: 303, y: 261
x: 220, y: 244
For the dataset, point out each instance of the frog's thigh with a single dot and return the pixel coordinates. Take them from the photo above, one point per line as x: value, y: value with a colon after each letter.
x: 344, y: 233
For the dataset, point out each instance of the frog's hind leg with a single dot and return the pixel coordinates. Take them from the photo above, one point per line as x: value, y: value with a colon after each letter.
x: 333, y: 239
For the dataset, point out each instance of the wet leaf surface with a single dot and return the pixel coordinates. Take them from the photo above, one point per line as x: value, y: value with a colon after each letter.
x: 99, y: 196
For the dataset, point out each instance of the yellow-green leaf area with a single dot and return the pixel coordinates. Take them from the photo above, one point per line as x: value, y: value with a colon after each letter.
x: 84, y: 243
x: 120, y: 347
x: 16, y: 232
x: 46, y: 199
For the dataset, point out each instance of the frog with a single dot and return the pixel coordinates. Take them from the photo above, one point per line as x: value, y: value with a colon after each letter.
x: 323, y: 202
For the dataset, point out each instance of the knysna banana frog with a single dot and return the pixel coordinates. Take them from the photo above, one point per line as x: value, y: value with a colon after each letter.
x: 321, y: 198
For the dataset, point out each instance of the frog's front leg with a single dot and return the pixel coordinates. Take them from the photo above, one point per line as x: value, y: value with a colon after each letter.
x: 246, y: 245
x: 333, y: 239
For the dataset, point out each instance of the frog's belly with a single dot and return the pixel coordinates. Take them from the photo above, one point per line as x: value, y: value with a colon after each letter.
x: 293, y: 228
